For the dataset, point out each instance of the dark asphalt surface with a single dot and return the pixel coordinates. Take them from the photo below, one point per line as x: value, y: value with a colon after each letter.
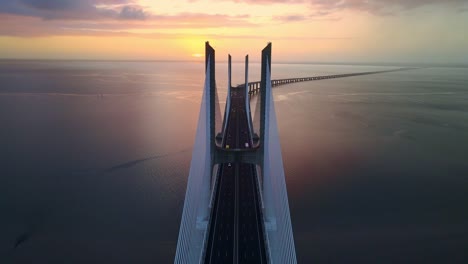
x: 236, y: 233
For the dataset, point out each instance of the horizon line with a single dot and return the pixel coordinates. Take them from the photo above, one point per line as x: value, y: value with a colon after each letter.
x: 363, y: 63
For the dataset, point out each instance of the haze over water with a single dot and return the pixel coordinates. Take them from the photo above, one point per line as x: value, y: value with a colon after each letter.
x: 95, y: 158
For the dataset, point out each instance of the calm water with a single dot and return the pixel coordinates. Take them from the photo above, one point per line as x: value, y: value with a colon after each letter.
x: 95, y: 157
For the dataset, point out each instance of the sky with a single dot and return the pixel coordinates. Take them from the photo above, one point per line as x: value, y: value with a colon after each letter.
x: 389, y: 31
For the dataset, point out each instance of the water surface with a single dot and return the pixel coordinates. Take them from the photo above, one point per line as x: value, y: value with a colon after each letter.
x: 95, y: 158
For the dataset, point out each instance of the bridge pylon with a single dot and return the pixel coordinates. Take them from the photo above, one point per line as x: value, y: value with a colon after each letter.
x: 263, y: 151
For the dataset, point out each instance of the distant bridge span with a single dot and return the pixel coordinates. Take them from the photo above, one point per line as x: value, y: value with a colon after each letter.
x: 254, y: 87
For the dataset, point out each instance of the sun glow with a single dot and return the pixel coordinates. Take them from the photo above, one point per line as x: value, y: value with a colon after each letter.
x: 164, y: 30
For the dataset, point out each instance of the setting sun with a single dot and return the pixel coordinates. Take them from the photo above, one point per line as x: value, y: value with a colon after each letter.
x: 197, y: 55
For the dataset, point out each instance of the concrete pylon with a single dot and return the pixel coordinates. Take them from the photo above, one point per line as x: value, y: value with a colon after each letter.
x: 195, y: 215
x: 276, y: 213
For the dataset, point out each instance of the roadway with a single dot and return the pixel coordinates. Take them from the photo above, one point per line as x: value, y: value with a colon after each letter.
x: 236, y: 233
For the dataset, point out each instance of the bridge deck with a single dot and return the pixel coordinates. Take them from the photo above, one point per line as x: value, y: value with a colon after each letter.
x: 254, y: 87
x: 236, y: 231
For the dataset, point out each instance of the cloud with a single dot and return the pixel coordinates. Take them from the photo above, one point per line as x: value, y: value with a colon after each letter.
x: 132, y: 12
x: 16, y: 26
x: 290, y: 18
x: 317, y: 16
x: 74, y: 9
x: 126, y: 24
x: 377, y: 7
x: 55, y: 5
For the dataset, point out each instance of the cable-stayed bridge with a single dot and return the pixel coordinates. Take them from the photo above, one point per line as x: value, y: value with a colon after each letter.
x: 236, y: 205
